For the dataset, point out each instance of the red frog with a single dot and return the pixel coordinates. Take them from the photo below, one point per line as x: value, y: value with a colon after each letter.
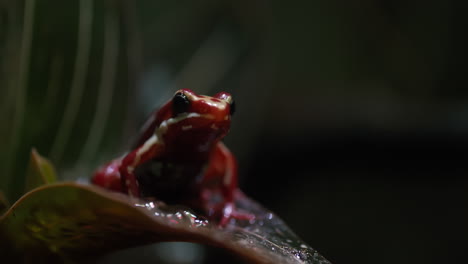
x: 180, y: 157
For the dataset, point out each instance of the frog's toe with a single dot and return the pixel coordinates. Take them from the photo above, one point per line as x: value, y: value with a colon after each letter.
x: 231, y: 212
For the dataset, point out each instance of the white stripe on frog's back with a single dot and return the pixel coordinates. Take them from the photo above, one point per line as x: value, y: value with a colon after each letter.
x: 215, y: 102
x: 157, y: 138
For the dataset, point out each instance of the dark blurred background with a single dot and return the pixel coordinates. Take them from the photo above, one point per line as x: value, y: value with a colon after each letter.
x: 351, y: 122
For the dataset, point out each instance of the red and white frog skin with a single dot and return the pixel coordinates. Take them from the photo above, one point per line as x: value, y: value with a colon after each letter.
x: 180, y: 157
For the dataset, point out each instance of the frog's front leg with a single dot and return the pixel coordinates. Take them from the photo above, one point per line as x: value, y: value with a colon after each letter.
x: 224, y: 166
x: 152, y: 148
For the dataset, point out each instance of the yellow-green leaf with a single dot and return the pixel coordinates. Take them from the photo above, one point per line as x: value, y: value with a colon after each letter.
x: 40, y: 171
x: 74, y: 221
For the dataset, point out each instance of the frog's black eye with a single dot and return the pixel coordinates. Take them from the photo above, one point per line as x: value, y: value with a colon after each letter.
x: 232, y: 108
x: 180, y: 103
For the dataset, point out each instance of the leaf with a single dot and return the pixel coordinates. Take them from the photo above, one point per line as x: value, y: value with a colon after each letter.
x: 40, y: 171
x: 77, y: 221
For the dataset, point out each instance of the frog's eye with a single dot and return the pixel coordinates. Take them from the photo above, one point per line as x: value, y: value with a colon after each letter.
x: 180, y: 103
x: 232, y: 107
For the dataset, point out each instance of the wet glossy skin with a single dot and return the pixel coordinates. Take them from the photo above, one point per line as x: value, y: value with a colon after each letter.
x: 180, y: 158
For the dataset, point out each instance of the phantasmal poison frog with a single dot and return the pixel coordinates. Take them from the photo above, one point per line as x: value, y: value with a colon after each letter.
x: 180, y: 157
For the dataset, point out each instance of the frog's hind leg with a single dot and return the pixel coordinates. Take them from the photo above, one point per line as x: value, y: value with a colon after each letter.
x: 108, y: 176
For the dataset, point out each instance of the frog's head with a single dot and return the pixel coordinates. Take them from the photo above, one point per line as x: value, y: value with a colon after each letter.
x: 195, y: 120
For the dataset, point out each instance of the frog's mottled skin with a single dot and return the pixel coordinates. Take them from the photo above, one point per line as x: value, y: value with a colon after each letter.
x: 180, y: 157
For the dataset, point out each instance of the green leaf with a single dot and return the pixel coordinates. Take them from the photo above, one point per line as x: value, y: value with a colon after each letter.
x: 74, y: 221
x: 40, y: 171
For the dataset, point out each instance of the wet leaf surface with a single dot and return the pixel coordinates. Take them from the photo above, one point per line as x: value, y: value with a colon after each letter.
x: 75, y: 221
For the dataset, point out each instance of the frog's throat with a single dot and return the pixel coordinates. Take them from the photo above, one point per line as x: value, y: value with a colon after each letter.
x: 162, y: 129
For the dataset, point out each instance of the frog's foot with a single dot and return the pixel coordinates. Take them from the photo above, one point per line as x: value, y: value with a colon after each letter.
x: 223, y: 211
x: 231, y: 212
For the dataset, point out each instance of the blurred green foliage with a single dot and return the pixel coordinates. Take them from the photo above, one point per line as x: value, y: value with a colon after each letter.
x: 61, y: 70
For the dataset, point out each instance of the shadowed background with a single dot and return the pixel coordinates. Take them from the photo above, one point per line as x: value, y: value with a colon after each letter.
x: 351, y: 122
